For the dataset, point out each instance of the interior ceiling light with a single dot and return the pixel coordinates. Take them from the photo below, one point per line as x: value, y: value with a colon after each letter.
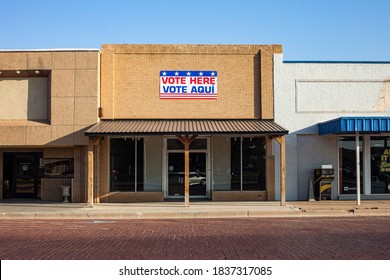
x: 36, y: 71
x: 17, y: 72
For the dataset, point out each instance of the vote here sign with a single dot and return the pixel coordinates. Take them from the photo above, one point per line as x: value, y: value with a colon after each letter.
x: 192, y: 84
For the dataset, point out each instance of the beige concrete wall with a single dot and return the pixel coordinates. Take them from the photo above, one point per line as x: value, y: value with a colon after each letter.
x: 58, y: 153
x: 130, y: 80
x: 23, y: 98
x: 72, y: 97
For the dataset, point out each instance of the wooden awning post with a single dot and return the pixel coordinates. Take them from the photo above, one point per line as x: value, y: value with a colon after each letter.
x: 93, y: 141
x: 90, y: 174
x: 186, y: 140
x: 281, y: 140
x: 186, y: 174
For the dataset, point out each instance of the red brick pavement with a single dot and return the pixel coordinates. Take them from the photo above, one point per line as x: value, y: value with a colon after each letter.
x: 217, y: 239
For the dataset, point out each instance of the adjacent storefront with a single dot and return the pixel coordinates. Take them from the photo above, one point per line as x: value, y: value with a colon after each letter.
x: 364, y: 157
x: 337, y: 114
x: 48, y: 99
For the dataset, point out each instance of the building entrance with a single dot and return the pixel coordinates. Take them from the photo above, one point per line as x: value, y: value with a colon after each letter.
x: 22, y: 175
x: 199, y: 175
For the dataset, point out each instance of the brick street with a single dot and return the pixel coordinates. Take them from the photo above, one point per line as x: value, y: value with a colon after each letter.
x: 186, y: 239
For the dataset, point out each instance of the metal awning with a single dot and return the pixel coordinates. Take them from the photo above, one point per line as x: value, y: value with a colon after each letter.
x: 184, y: 126
x: 353, y: 125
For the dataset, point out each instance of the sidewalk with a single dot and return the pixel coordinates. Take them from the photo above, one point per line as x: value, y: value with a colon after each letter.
x: 176, y: 210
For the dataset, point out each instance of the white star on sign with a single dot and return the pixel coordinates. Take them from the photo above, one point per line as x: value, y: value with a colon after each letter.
x: 200, y: 73
x: 212, y: 74
x: 188, y: 73
x: 176, y: 73
x: 164, y: 73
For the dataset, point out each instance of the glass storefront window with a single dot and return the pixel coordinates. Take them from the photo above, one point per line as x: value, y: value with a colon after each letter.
x: 380, y: 165
x: 197, y: 144
x: 221, y: 163
x: 58, y: 168
x: 127, y: 164
x: 140, y: 164
x: 248, y: 163
x: 347, y: 164
x: 253, y: 164
x: 175, y: 144
x: 235, y: 161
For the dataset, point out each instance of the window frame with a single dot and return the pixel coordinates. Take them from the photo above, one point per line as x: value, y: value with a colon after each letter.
x: 242, y: 183
x: 136, y: 156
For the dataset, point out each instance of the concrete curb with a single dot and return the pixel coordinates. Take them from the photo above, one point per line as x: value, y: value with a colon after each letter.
x: 202, y: 210
x: 90, y: 215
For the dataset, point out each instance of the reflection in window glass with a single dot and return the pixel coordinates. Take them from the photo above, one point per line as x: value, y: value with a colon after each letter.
x: 127, y: 159
x: 25, y: 165
x: 140, y: 165
x: 235, y: 153
x: 197, y: 144
x: 380, y: 165
x: 62, y: 167
x: 347, y: 158
x: 252, y: 165
x: 175, y: 144
x: 221, y: 163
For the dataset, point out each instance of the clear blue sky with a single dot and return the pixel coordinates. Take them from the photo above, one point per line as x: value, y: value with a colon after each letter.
x: 344, y: 30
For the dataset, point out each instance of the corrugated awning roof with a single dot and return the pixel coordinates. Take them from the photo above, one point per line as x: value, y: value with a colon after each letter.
x: 348, y: 125
x: 185, y: 126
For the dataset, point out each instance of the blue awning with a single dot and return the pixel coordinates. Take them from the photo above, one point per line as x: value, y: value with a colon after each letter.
x: 351, y: 125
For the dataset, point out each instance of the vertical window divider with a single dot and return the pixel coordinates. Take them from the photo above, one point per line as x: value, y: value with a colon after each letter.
x: 135, y: 164
x: 241, y: 167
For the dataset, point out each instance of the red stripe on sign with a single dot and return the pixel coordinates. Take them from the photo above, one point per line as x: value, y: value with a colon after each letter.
x: 188, y: 97
x: 177, y: 98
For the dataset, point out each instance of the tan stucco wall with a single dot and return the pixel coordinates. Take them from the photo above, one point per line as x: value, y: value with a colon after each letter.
x: 131, y: 73
x: 23, y: 98
x: 72, y: 97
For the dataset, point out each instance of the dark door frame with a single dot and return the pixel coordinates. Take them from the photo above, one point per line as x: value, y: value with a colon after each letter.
x: 10, y: 176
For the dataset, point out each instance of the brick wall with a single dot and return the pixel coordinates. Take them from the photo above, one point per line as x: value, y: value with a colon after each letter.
x: 239, y: 196
x: 131, y: 73
x: 123, y: 197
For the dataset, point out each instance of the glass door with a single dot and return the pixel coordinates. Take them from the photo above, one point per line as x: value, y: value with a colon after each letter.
x: 175, y: 174
x: 22, y: 175
x: 347, y: 165
x: 198, y: 175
